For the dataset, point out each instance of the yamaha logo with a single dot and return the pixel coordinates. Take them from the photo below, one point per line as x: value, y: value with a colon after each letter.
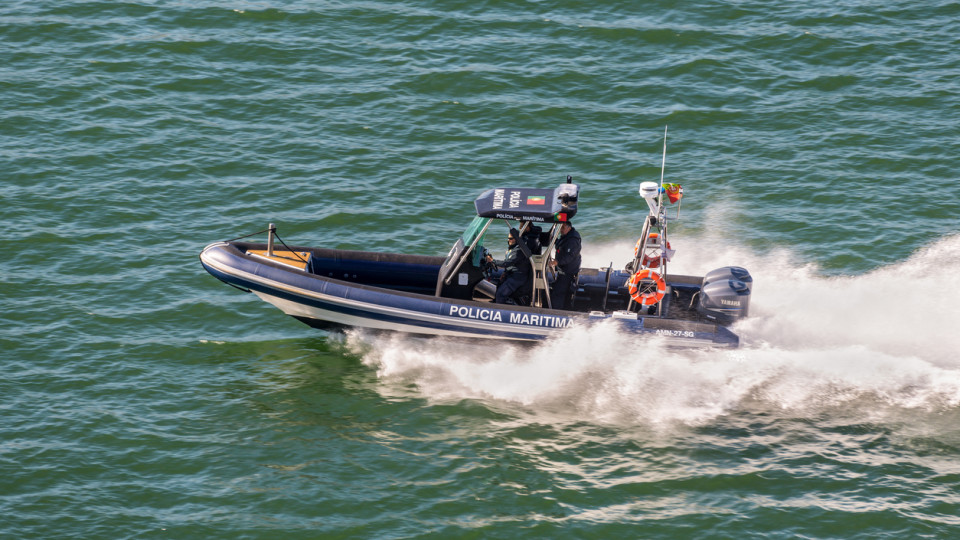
x: 729, y: 302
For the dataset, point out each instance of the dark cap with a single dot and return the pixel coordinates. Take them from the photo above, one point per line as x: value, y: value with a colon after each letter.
x: 515, y: 234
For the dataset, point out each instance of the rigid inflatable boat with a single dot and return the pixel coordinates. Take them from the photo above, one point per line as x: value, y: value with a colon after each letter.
x: 453, y: 295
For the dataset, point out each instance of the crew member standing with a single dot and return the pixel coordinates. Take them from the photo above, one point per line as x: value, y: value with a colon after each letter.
x: 567, y: 263
x: 516, y: 270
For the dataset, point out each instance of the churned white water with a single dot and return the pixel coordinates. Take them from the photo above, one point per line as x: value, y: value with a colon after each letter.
x: 876, y: 342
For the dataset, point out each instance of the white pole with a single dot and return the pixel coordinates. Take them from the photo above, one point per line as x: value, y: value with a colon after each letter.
x: 663, y: 164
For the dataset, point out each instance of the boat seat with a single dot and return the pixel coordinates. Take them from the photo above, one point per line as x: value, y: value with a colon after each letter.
x: 485, y: 288
x: 537, y: 283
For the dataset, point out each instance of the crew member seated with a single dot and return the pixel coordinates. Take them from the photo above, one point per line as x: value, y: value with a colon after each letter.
x: 516, y: 272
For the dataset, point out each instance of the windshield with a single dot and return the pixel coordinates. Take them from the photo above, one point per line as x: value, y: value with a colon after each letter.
x: 470, y: 234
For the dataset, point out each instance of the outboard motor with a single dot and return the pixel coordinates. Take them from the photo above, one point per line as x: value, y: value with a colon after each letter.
x: 725, y: 294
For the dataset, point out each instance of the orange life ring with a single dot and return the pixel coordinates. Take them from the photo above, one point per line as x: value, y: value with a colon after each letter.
x: 646, y: 296
x: 649, y: 261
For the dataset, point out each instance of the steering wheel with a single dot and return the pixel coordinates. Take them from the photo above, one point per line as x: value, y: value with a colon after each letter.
x: 487, y: 264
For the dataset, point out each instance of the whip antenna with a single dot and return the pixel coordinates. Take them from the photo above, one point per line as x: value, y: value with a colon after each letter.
x: 663, y: 165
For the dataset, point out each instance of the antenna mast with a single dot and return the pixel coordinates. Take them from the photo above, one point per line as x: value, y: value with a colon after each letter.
x: 663, y: 166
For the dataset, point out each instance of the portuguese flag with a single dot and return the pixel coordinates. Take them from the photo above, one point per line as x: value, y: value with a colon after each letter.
x: 536, y: 199
x: 674, y: 192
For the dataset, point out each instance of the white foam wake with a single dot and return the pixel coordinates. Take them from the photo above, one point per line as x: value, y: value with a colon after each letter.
x: 881, y: 341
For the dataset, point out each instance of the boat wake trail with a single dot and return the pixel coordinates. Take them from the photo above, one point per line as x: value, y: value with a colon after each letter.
x: 876, y: 346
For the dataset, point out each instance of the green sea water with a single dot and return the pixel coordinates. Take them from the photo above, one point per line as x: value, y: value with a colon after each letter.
x: 817, y: 144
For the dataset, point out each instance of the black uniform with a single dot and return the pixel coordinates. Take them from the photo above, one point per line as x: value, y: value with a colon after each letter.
x: 568, y: 267
x: 516, y: 273
x: 532, y: 238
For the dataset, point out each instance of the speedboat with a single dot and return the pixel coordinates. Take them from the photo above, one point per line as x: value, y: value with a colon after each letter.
x: 453, y: 295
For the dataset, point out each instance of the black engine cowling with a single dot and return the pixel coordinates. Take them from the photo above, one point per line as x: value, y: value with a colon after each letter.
x: 725, y: 294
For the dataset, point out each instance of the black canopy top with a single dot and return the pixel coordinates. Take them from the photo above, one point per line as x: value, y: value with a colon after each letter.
x: 529, y: 204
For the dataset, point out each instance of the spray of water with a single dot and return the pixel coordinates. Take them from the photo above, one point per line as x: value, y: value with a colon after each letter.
x: 882, y: 341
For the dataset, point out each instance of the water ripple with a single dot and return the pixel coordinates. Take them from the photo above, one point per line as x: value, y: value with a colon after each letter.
x: 815, y: 143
